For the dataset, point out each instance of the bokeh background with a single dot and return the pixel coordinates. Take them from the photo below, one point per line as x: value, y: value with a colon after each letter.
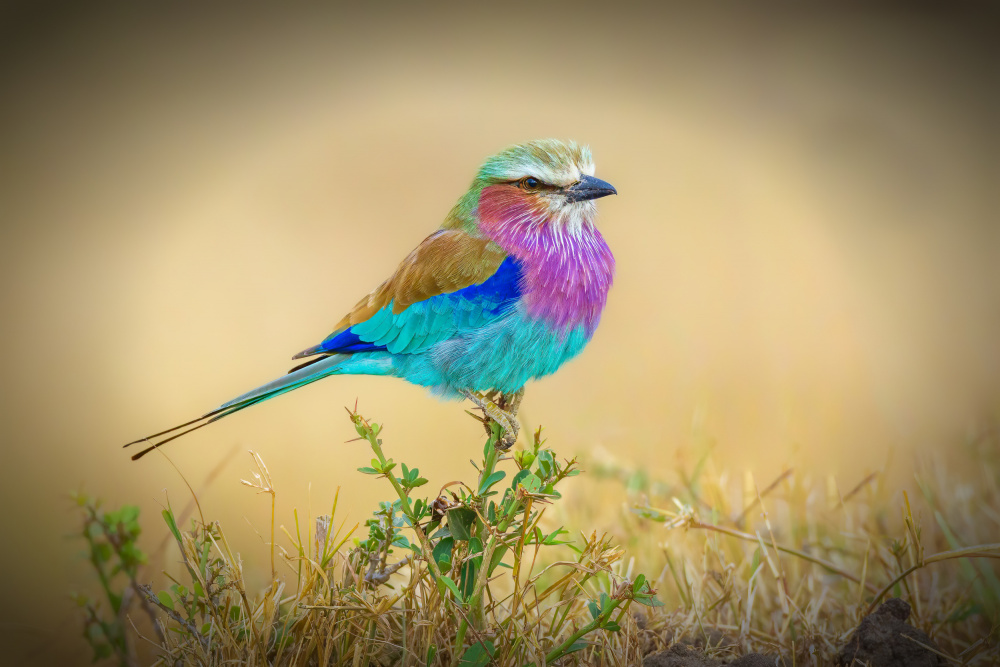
x: 806, y: 235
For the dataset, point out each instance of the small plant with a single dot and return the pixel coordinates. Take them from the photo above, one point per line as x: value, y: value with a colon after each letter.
x: 481, y: 573
x: 112, y: 551
x: 463, y: 541
x: 463, y: 578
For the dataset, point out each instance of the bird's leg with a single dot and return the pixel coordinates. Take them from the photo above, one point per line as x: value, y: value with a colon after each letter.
x: 511, y: 403
x: 506, y: 419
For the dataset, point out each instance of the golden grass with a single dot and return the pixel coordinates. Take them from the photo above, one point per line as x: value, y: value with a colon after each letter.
x: 792, y: 566
x: 484, y: 576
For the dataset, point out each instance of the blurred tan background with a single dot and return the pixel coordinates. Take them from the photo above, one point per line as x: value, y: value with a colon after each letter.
x: 807, y: 243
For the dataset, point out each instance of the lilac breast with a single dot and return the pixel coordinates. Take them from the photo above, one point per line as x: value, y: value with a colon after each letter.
x: 566, y: 273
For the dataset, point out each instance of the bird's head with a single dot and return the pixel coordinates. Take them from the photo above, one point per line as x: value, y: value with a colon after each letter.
x: 546, y: 181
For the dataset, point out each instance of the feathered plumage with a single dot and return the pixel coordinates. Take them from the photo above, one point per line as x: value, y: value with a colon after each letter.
x: 509, y: 288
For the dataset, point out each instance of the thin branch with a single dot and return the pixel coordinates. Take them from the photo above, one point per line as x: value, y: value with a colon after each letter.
x: 147, y: 592
x: 379, y: 578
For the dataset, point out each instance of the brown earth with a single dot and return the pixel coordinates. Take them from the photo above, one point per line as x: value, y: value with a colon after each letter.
x: 882, y: 639
x: 684, y: 655
x: 885, y: 639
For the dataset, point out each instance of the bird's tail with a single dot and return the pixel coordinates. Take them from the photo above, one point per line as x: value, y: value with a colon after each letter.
x: 297, y: 377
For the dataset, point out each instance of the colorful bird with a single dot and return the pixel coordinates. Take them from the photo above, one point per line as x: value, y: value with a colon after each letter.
x: 509, y: 288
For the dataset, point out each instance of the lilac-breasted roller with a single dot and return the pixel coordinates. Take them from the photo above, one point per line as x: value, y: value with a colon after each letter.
x: 509, y: 288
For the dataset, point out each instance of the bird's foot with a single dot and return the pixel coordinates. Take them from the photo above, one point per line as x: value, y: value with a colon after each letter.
x: 511, y: 402
x: 499, y: 408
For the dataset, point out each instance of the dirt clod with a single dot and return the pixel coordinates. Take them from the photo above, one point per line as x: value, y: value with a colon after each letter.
x: 885, y: 639
x: 679, y: 655
x: 685, y: 655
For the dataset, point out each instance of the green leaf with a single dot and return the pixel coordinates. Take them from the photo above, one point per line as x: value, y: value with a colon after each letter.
x: 476, y: 551
x: 479, y: 654
x: 552, y: 538
x: 576, y: 646
x: 129, y: 513
x: 611, y: 626
x: 594, y: 609
x: 490, y: 481
x: 431, y: 653
x: 546, y: 464
x: 531, y: 483
x: 470, y: 568
x: 94, y: 632
x: 639, y: 582
x: 519, y: 478
x: 498, y: 555
x: 442, y: 552
x: 648, y: 600
x: 368, y: 471
x: 451, y: 586
x: 165, y: 599
x: 206, y: 548
x: 168, y: 517
x: 491, y: 511
x: 461, y: 522
x: 102, y: 552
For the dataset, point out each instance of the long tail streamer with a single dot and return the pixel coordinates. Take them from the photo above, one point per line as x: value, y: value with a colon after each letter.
x: 298, y: 377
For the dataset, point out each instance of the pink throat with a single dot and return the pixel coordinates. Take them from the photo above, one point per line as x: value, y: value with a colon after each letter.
x: 566, y: 274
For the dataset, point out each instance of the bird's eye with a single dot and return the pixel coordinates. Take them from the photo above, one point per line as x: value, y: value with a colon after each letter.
x: 529, y: 182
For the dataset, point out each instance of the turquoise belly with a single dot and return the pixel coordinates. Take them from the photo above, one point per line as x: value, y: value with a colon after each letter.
x: 502, y: 355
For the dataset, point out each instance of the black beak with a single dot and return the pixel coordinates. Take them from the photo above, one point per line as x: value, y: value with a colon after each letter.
x: 589, y: 187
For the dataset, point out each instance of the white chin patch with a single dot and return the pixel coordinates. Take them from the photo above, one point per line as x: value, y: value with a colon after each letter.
x: 572, y: 217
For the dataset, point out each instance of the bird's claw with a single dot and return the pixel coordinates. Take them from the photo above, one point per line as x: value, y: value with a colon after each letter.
x: 507, y: 440
x: 505, y: 416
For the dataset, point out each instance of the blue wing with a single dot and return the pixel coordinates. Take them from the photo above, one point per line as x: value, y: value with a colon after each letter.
x: 430, y: 321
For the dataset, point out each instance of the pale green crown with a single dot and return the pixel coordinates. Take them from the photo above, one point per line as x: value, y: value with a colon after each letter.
x: 556, y: 162
x: 553, y: 161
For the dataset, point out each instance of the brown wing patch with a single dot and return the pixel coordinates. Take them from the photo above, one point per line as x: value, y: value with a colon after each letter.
x: 446, y: 261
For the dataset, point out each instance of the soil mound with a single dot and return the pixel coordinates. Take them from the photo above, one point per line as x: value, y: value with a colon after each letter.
x: 885, y: 639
